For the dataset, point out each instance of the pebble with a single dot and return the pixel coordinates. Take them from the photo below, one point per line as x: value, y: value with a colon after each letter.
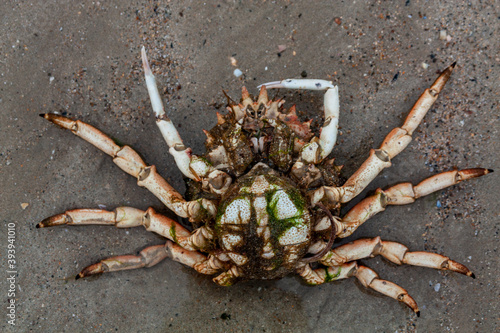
x: 437, y: 286
x: 237, y: 72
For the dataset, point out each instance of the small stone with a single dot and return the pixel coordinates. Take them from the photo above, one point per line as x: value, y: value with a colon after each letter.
x: 442, y: 35
x: 281, y: 48
x: 437, y: 286
x: 234, y: 62
x: 24, y: 205
x: 237, y: 72
x: 425, y: 65
x: 338, y: 20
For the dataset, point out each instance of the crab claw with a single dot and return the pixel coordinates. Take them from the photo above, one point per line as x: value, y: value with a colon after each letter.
x: 156, y: 102
x: 307, y: 84
x: 177, y: 149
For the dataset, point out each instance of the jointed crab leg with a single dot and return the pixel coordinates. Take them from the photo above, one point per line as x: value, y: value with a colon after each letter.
x: 148, y: 257
x: 181, y: 153
x: 152, y: 255
x: 130, y: 162
x: 392, y: 251
x: 393, y: 144
x: 400, y: 194
x: 365, y: 275
x: 228, y: 277
x: 126, y: 217
x: 315, y: 152
x: 344, y: 257
x: 370, y: 279
x: 215, y: 181
x: 327, y: 274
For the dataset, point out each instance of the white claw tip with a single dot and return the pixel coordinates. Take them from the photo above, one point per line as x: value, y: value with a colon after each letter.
x: 306, y: 84
x: 271, y: 85
x: 145, y: 63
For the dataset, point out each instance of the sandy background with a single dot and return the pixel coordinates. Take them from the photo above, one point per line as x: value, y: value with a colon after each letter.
x: 82, y: 59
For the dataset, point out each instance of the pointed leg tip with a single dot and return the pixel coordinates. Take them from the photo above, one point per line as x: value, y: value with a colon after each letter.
x: 453, y: 65
x: 418, y: 313
x: 145, y: 62
x: 55, y: 220
x: 490, y: 170
x: 43, y: 115
x: 472, y: 275
x: 78, y: 276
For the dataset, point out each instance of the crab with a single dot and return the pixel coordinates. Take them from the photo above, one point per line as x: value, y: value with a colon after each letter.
x: 265, y: 200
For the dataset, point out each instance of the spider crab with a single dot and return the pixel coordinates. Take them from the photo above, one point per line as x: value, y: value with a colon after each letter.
x: 265, y: 200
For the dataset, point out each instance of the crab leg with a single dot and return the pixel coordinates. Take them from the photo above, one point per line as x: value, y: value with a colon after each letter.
x: 400, y: 194
x: 327, y: 274
x: 192, y: 167
x: 127, y: 217
x: 365, y: 275
x: 228, y: 277
x: 315, y: 152
x: 130, y: 162
x: 152, y: 255
x: 370, y: 279
x: 178, y: 150
x: 393, y: 144
x: 392, y: 251
x: 345, y: 256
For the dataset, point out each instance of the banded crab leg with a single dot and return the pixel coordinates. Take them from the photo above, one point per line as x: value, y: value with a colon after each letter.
x: 393, y: 144
x: 368, y: 278
x: 127, y: 217
x: 392, y: 251
x: 400, y: 194
x: 315, y: 152
x: 215, y: 181
x: 177, y: 149
x: 151, y: 256
x: 129, y: 161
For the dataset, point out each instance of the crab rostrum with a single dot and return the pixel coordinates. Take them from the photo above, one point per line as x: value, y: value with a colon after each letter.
x: 265, y: 200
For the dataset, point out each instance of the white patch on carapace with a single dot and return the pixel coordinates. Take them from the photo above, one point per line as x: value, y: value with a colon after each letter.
x: 264, y: 232
x: 268, y: 251
x: 285, y: 208
x: 267, y: 255
x: 291, y: 257
x: 259, y: 186
x: 237, y: 212
x: 238, y: 259
x: 230, y: 241
x: 296, y: 234
x: 260, y: 205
